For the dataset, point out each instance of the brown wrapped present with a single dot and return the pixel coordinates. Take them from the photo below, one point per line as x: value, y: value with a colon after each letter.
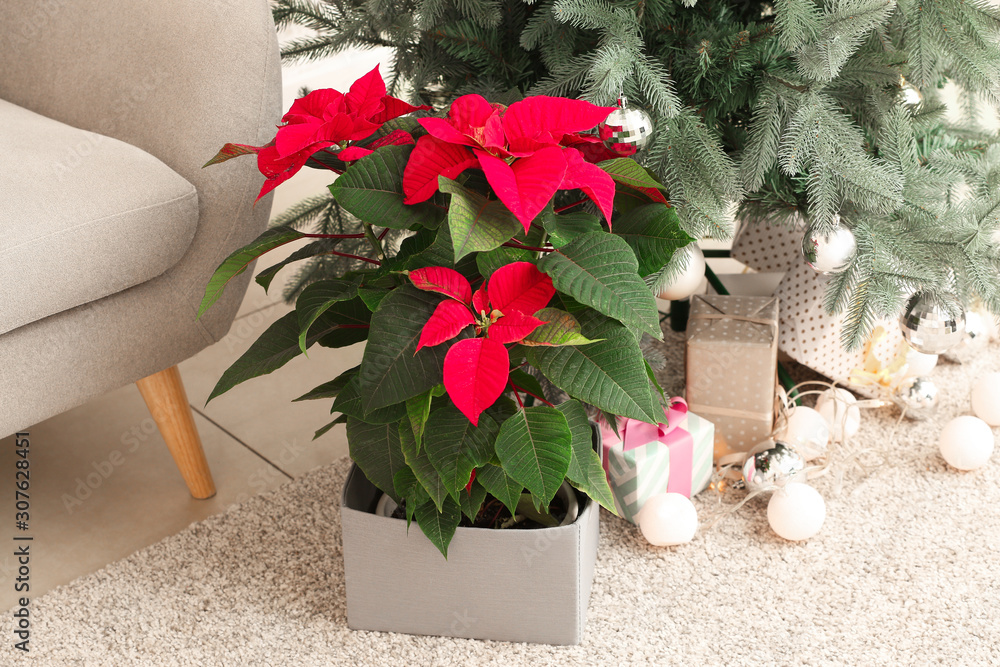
x: 732, y: 356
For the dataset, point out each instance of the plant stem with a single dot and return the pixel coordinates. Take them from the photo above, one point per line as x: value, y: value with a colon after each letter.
x: 516, y: 395
x: 569, y: 206
x: 349, y: 256
x: 517, y: 388
x: 333, y: 236
x: 519, y: 246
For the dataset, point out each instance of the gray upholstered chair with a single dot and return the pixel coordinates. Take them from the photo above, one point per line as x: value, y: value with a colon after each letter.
x: 109, y: 227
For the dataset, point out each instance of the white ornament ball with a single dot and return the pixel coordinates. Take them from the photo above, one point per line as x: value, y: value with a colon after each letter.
x: 668, y: 519
x: 807, y: 432
x: 839, y: 408
x: 918, y: 363
x: 966, y: 442
x: 986, y: 398
x: 688, y: 282
x: 829, y: 252
x: 796, y: 511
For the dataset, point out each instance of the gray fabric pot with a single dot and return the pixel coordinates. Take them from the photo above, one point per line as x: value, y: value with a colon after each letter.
x: 506, y: 585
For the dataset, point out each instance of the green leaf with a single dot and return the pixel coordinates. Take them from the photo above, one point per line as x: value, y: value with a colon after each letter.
x: 488, y: 262
x: 585, y: 469
x: 372, y: 296
x: 476, y: 223
x: 654, y: 233
x: 456, y: 447
x: 408, y: 489
x: 439, y: 527
x: 421, y: 465
x: 317, y: 298
x: 629, y: 172
x: 526, y: 381
x: 653, y: 381
x: 535, y: 447
x: 418, y: 409
x: 376, y: 449
x: 562, y: 329
x: 349, y: 403
x: 390, y: 371
x: 265, y: 277
x: 609, y: 374
x: 372, y: 189
x: 600, y: 270
x: 329, y: 389
x: 471, y: 501
x: 439, y: 253
x: 565, y: 227
x: 342, y: 419
x: 237, y: 262
x: 352, y: 319
x: 278, y: 345
x: 501, y: 486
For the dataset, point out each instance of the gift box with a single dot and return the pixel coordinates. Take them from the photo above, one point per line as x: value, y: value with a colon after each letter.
x: 812, y: 337
x: 770, y: 248
x: 642, y: 459
x: 731, y: 367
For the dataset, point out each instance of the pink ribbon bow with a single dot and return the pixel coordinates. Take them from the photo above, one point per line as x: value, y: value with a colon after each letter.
x: 635, y: 433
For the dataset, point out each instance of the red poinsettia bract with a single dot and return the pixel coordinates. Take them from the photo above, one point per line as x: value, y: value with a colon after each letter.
x: 326, y: 118
x: 476, y: 369
x: 528, y: 151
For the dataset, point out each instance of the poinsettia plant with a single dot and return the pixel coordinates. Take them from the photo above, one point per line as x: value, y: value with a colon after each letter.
x: 523, y: 247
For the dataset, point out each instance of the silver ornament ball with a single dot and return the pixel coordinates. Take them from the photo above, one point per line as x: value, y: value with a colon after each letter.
x: 774, y: 466
x: 829, y: 252
x: 929, y: 327
x: 627, y: 130
x: 918, y: 396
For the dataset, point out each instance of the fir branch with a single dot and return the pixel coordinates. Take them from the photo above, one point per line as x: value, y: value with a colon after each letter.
x: 798, y: 22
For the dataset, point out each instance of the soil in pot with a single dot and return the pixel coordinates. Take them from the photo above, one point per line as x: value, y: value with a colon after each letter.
x: 494, y: 514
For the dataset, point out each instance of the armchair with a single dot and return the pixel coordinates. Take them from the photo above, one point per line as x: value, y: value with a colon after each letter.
x: 109, y: 228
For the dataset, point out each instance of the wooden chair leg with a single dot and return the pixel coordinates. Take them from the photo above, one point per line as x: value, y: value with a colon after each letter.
x: 167, y: 402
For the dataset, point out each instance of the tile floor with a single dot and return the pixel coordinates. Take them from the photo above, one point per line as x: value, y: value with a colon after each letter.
x: 103, y: 484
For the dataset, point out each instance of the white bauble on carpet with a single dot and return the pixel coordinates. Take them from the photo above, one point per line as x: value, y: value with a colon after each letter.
x: 966, y: 442
x: 796, y: 511
x: 668, y: 519
x: 986, y: 398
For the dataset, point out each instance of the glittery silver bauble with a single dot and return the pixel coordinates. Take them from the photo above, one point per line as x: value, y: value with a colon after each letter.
x: 775, y: 466
x: 626, y: 130
x: 829, y: 252
x: 918, y: 396
x: 929, y: 327
x: 975, y: 338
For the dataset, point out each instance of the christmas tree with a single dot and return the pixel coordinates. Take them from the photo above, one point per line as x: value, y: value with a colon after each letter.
x: 828, y: 111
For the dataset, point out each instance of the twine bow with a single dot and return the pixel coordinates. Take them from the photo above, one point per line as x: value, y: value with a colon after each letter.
x: 873, y: 373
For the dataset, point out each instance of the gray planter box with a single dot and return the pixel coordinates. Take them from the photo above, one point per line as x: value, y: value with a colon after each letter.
x: 507, y: 585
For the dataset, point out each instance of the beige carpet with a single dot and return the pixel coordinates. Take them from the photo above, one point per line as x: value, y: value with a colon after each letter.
x: 905, y: 572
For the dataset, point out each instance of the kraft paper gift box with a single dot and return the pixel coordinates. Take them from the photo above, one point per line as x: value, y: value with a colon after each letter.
x: 731, y: 367
x: 643, y: 459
